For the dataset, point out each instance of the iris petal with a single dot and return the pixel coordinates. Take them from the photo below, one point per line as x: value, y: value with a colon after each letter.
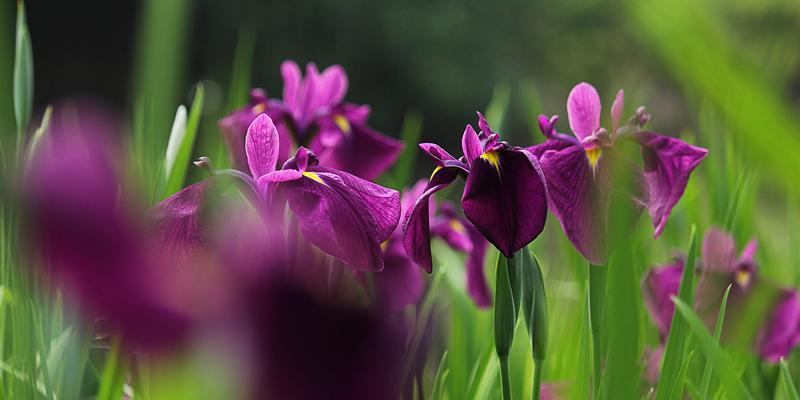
x: 508, y: 205
x: 261, y: 145
x: 583, y: 110
x: 658, y: 287
x: 362, y: 152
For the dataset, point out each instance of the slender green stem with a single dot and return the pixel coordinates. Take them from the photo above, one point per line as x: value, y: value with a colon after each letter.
x: 597, y: 287
x: 537, y: 377
x: 505, y: 378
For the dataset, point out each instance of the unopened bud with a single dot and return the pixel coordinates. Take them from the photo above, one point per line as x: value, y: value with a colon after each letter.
x: 642, y: 116
x: 205, y: 163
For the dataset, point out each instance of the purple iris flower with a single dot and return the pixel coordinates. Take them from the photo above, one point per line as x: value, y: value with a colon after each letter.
x: 401, y: 283
x: 577, y: 169
x: 721, y: 267
x: 504, y: 197
x: 345, y: 216
x: 313, y: 113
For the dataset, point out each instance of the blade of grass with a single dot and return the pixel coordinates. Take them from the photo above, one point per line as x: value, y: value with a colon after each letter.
x: 178, y: 156
x: 242, y: 67
x: 789, y: 389
x: 706, y: 380
x: 439, y: 378
x: 113, y: 375
x: 669, y: 386
x: 723, y: 366
x: 497, y: 107
x: 23, y: 76
x: 484, y: 376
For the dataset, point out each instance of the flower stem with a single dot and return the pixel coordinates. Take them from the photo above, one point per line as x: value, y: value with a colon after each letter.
x: 597, y: 287
x: 505, y: 377
x: 537, y: 377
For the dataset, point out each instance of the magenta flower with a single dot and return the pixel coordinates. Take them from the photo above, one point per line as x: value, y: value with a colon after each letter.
x: 504, y: 195
x: 313, y: 113
x: 721, y: 267
x: 345, y: 216
x: 577, y: 169
x: 401, y: 283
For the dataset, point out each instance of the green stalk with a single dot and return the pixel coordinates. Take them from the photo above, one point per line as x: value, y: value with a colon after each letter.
x: 537, y: 377
x: 505, y: 377
x: 597, y: 288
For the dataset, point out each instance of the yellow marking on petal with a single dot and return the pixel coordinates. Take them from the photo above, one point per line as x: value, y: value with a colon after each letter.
x: 259, y: 108
x: 314, y: 177
x: 493, y: 158
x: 435, y: 170
x: 742, y: 278
x: 594, y: 155
x: 342, y: 123
x: 457, y: 226
x: 384, y: 245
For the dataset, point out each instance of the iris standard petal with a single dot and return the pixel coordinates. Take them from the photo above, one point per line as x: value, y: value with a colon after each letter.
x: 578, y: 200
x: 416, y: 226
x: 262, y: 146
x: 292, y: 79
x: 782, y: 333
x: 658, y: 287
x: 471, y: 145
x: 719, y: 251
x: 345, y: 216
x: 332, y: 86
x: 668, y: 163
x: 505, y: 197
x: 583, y: 110
x: 616, y: 110
x: 360, y: 151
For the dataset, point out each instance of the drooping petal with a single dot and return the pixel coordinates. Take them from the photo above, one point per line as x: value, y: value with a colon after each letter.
x: 477, y: 287
x: 782, y: 333
x: 262, y: 146
x: 668, y: 163
x: 345, y: 216
x: 400, y: 283
x: 360, y: 151
x: 658, y: 287
x: 506, y: 199
x: 583, y: 110
x: 416, y: 226
x: 471, y: 145
x: 578, y: 199
x: 436, y: 153
x: 616, y: 110
x: 719, y: 251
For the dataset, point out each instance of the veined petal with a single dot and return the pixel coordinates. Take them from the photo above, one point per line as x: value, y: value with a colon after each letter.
x: 362, y: 152
x: 345, y: 216
x: 555, y: 144
x: 484, y: 125
x: 506, y: 202
x: 179, y: 227
x: 333, y: 86
x: 416, y: 226
x: 583, y: 110
x: 658, y: 287
x: 719, y: 251
x: 782, y: 332
x: 471, y: 145
x: 436, y: 153
x: 261, y: 145
x: 578, y: 200
x: 284, y: 175
x: 668, y: 163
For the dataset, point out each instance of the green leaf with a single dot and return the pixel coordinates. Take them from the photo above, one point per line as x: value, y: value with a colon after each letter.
x: 706, y: 380
x: 439, y: 379
x: 789, y: 389
x: 40, y: 134
x: 723, y: 366
x: 403, y: 169
x: 242, y: 68
x: 181, y: 144
x: 496, y: 110
x: 112, y: 378
x: 483, y: 377
x: 534, y: 303
x: 23, y: 74
x: 669, y: 387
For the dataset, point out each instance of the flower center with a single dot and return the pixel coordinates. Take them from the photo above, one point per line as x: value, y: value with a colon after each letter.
x: 594, y: 155
x: 342, y: 123
x: 742, y: 278
x: 493, y: 158
x: 259, y: 108
x: 313, y: 176
x: 457, y: 226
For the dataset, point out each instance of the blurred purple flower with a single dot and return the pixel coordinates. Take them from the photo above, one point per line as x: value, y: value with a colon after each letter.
x: 401, y: 283
x: 577, y: 169
x: 721, y: 267
x: 313, y: 113
x: 505, y: 196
